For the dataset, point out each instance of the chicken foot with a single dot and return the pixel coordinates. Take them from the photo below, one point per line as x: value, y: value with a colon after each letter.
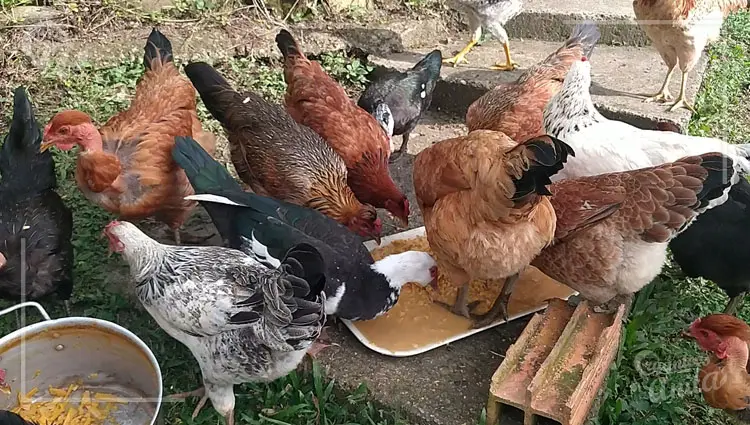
x: 500, y: 306
x: 663, y: 95
x: 461, y: 307
x: 400, y: 151
x: 509, y: 65
x: 611, y: 306
x: 734, y: 303
x: 681, y: 100
x: 200, y: 392
x: 460, y: 56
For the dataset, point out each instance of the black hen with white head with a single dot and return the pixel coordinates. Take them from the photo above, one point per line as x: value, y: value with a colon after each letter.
x: 242, y: 320
x: 399, y: 99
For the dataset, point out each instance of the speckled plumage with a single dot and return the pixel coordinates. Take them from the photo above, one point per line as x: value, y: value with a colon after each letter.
x: 357, y: 287
x: 35, y: 225
x: 243, y: 321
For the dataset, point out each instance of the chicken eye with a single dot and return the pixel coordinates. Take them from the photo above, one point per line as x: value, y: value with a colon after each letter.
x: 63, y: 130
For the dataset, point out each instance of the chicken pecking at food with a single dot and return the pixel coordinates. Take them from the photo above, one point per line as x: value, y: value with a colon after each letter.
x: 713, y: 246
x: 516, y: 108
x: 242, y: 320
x: 126, y: 165
x: 680, y: 30
x: 36, y: 253
x: 357, y: 288
x: 407, y: 94
x: 642, y: 210
x: 492, y: 15
x: 724, y: 380
x: 486, y: 213
x: 278, y: 157
x: 317, y: 101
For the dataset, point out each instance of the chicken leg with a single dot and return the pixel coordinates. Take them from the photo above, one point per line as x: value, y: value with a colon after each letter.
x: 500, y: 306
x: 734, y: 303
x: 681, y: 100
x: 177, y: 237
x: 200, y: 392
x: 461, y: 307
x: 664, y: 95
x: 460, y: 57
x: 400, y: 151
x: 509, y: 65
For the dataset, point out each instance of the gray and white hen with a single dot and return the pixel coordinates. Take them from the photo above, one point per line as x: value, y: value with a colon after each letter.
x: 243, y: 321
x: 491, y: 15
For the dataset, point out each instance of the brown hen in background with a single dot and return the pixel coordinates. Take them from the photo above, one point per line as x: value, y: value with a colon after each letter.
x: 680, y: 30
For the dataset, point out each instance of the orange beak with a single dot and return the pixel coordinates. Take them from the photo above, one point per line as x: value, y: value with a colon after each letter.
x: 45, y: 146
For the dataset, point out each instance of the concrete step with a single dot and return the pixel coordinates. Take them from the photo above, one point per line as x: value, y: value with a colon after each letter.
x: 557, y: 366
x: 552, y: 20
x: 620, y: 77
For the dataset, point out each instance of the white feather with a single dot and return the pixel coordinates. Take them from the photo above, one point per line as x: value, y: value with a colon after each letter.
x: 212, y: 198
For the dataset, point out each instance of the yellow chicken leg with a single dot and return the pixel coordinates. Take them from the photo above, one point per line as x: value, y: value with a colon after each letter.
x: 460, y: 57
x: 664, y: 95
x: 681, y: 100
x: 509, y: 65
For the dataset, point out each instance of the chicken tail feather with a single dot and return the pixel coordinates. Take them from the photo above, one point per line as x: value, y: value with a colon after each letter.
x: 288, y: 45
x: 206, y: 175
x: 586, y: 34
x: 158, y: 50
x: 534, y: 162
x: 212, y: 87
x: 430, y: 65
x: 722, y: 174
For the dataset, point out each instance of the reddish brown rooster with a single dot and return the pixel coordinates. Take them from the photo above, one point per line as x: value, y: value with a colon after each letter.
x: 317, y: 101
x: 724, y: 380
x: 126, y: 166
x: 516, y: 108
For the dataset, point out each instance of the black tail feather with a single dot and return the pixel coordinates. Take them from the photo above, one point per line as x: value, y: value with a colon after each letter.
x: 721, y: 176
x: 206, y: 175
x: 158, y: 49
x: 212, y: 87
x: 587, y: 34
x: 287, y: 44
x: 547, y: 156
x: 430, y: 64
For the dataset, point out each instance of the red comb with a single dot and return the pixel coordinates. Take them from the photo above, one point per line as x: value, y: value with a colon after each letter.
x: 583, y: 59
x: 112, y: 224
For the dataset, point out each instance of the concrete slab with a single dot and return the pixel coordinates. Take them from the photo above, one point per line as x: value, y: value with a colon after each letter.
x: 552, y: 20
x: 620, y: 76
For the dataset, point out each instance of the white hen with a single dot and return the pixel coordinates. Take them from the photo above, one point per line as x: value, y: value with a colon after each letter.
x: 604, y: 146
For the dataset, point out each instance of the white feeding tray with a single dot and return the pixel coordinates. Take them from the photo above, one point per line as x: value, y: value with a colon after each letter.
x: 530, y: 295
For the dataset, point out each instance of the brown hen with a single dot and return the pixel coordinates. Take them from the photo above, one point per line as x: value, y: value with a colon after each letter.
x: 724, y: 380
x: 126, y: 166
x: 317, y: 101
x: 516, y: 109
x: 280, y: 158
x: 486, y: 213
x: 680, y: 30
x: 623, y: 252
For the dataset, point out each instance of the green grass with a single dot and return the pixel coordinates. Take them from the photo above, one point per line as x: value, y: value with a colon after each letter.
x: 655, y: 378
x: 102, y: 289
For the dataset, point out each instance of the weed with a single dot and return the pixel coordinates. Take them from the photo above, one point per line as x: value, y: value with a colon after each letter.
x: 351, y: 72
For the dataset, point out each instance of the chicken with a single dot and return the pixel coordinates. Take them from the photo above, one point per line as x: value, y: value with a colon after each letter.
x: 680, y: 30
x: 492, y: 15
x: 624, y: 251
x: 126, y: 166
x: 407, y: 94
x: 278, y: 157
x: 10, y: 418
x: 315, y: 100
x: 486, y: 213
x: 242, y: 320
x: 516, y: 108
x: 713, y: 246
x: 36, y: 253
x: 357, y: 288
x: 724, y: 380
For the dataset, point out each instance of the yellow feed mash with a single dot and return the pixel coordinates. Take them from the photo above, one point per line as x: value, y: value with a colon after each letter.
x: 91, y: 410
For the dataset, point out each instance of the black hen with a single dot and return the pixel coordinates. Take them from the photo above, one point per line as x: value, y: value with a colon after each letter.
x: 407, y: 94
x: 36, y: 254
x: 357, y: 288
x: 715, y: 245
x: 10, y: 418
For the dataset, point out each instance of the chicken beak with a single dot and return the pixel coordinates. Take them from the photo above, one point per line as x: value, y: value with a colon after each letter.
x: 45, y: 146
x: 434, y: 284
x: 686, y: 334
x: 376, y: 238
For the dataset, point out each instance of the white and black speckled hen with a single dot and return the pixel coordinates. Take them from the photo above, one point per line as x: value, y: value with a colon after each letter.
x: 243, y: 321
x: 357, y: 288
x: 35, y: 224
x: 492, y: 15
x: 407, y: 94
